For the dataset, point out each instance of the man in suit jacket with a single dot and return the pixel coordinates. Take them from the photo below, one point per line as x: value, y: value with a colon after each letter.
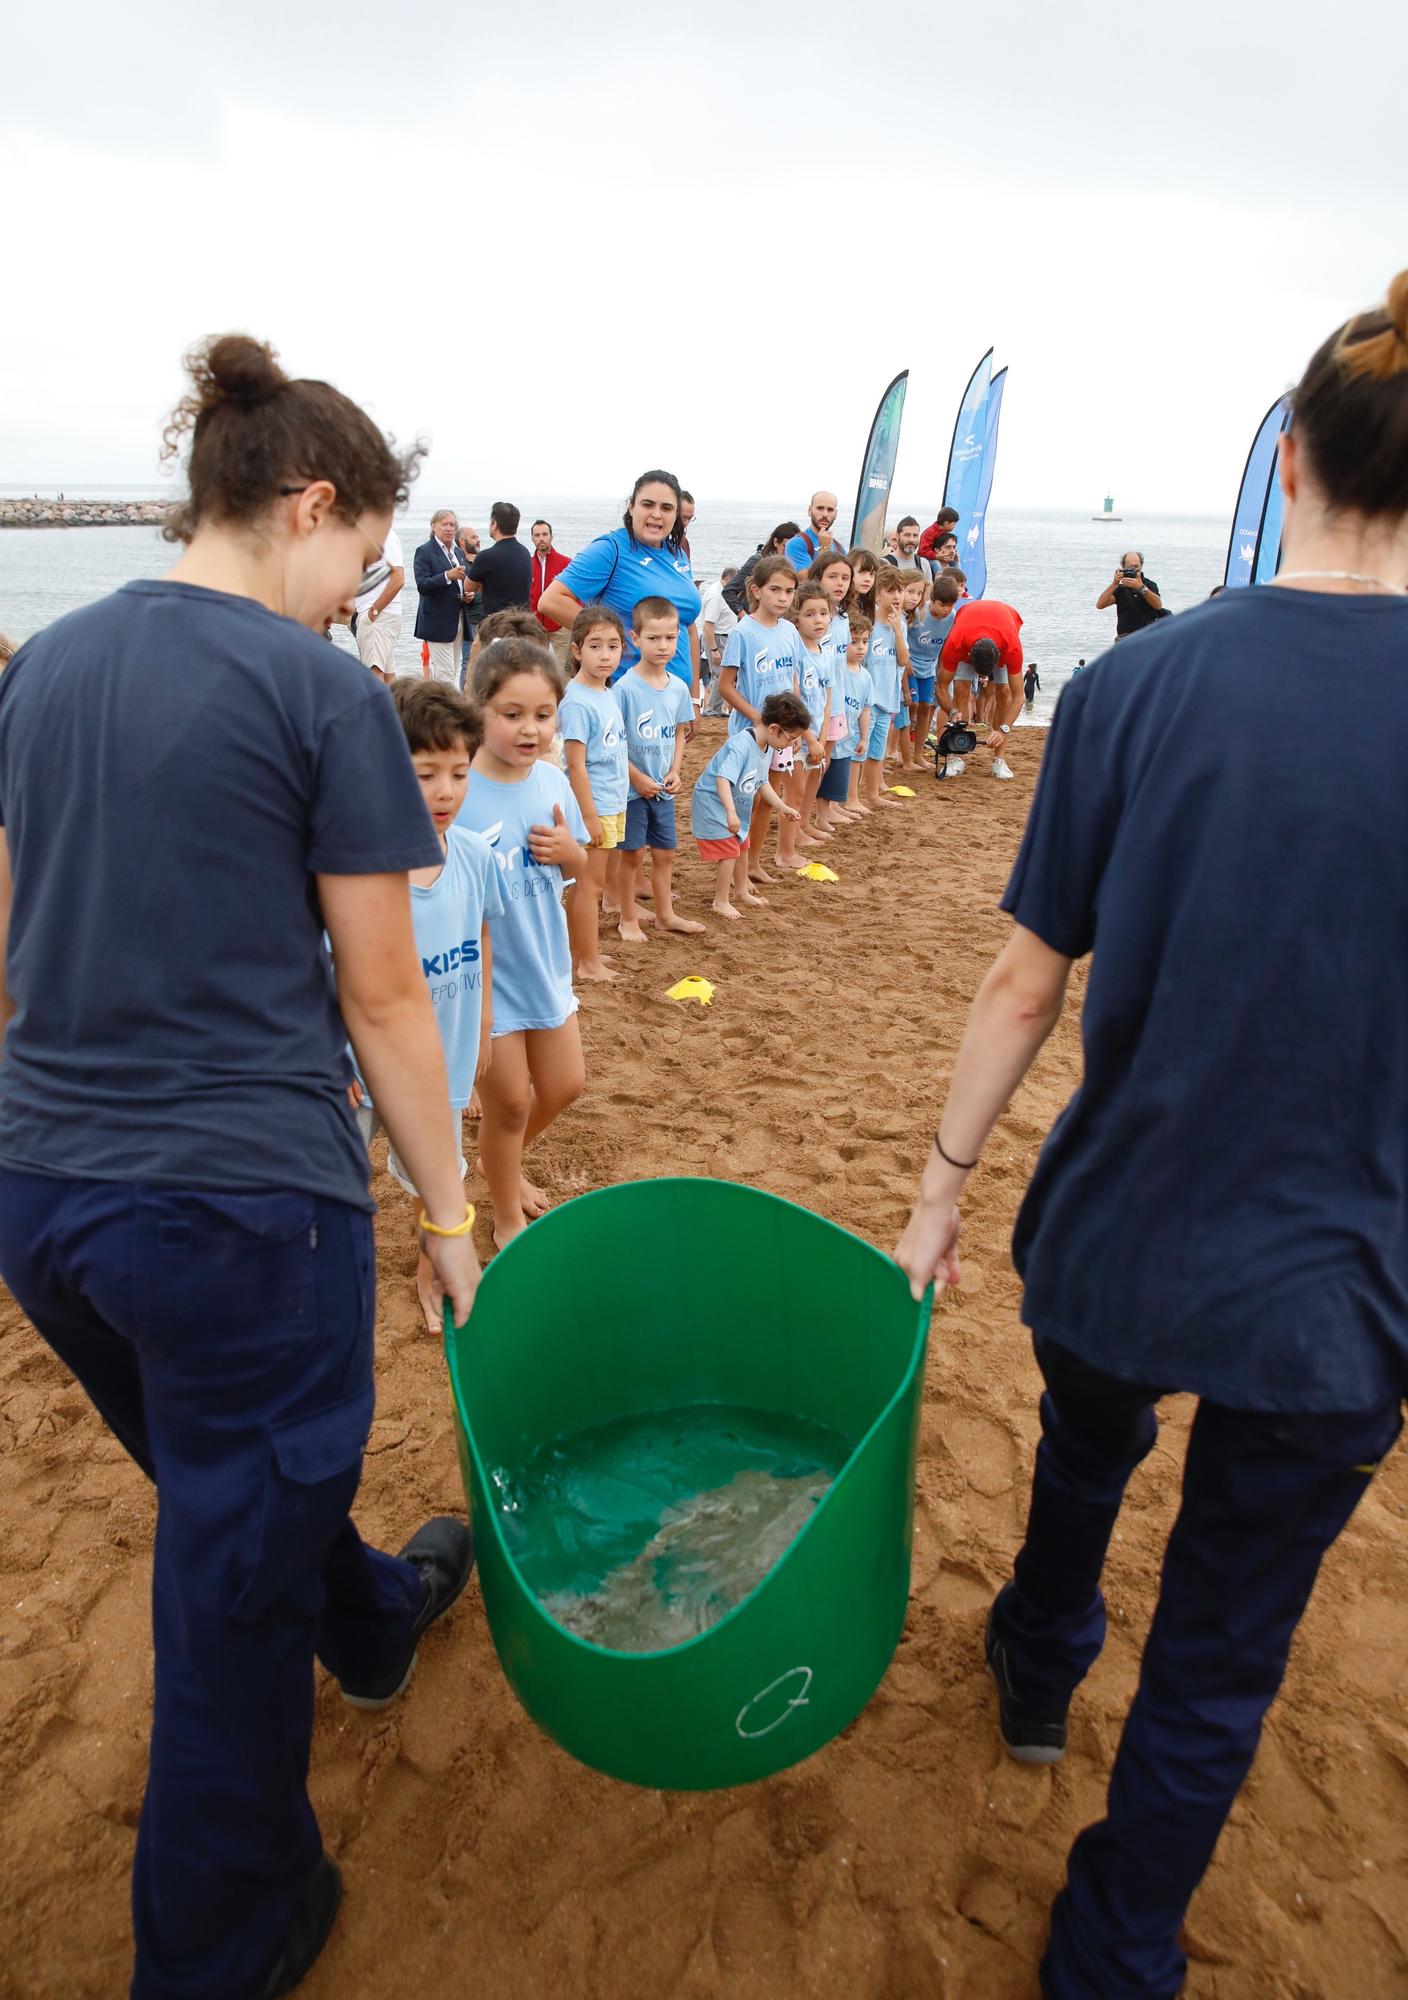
x: 439, y: 573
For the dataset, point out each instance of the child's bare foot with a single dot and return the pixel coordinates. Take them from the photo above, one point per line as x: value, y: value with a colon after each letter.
x: 757, y: 873
x: 534, y: 1201
x: 506, y: 1228
x: 595, y: 968
x: 424, y: 1274
x: 754, y: 902
x: 861, y: 812
x: 632, y: 933
x: 883, y: 801
x: 724, y: 909
x: 684, y: 926
x: 808, y: 840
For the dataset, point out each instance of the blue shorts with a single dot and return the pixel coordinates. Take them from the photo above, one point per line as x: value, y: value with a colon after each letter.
x: 650, y: 823
x: 881, y: 722
x: 923, y: 685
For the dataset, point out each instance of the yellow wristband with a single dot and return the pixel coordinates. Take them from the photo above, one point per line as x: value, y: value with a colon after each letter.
x: 460, y: 1228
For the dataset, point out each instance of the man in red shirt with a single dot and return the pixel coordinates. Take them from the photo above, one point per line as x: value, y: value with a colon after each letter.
x: 984, y: 644
x: 547, y: 564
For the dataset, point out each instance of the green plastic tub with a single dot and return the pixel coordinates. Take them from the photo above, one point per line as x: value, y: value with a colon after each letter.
x: 658, y: 1294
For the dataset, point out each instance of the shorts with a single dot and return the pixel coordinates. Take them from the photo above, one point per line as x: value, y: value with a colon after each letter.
x: 881, y: 723
x: 924, y: 689
x: 998, y: 676
x: 837, y: 782
x: 783, y: 760
x: 376, y: 641
x: 613, y: 830
x: 727, y: 849
x: 369, y: 1124
x: 836, y: 729
x: 650, y: 823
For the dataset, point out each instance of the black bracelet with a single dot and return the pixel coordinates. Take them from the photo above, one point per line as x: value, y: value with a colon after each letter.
x: 963, y: 1166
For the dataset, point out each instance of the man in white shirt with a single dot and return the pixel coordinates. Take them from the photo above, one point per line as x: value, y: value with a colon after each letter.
x: 718, y: 619
x: 379, y: 615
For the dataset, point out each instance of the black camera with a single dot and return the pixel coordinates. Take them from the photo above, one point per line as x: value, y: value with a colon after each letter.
x: 957, y: 741
x: 1129, y: 572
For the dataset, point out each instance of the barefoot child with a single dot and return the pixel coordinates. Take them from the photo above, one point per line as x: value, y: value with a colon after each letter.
x: 593, y: 733
x: 658, y: 709
x: 833, y: 573
x: 525, y: 809
x: 449, y: 908
x: 886, y: 659
x: 761, y: 658
x: 855, y: 694
x: 904, y: 744
x: 726, y: 788
x: 811, y: 616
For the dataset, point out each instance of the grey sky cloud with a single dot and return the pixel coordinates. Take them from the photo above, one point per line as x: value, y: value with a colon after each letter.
x: 565, y: 245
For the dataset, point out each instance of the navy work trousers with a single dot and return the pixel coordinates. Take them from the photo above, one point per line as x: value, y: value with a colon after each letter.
x: 227, y: 1340
x: 1264, y: 1496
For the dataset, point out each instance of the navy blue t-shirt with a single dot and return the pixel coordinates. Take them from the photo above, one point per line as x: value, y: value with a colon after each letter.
x: 1223, y: 1205
x: 175, y: 767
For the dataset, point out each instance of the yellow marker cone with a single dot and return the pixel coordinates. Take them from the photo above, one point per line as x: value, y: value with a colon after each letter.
x: 901, y: 792
x: 816, y: 872
x: 692, y: 989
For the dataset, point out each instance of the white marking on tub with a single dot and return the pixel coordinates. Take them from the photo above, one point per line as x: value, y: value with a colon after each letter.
x: 798, y: 1700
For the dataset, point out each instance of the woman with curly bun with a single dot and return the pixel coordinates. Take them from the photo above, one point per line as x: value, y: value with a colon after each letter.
x: 1221, y: 1208
x: 193, y: 788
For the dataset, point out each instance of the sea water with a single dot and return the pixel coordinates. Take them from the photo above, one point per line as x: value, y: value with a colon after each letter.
x: 642, y: 1533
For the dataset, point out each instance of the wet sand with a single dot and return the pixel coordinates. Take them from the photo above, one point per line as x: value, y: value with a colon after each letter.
x: 910, y: 1857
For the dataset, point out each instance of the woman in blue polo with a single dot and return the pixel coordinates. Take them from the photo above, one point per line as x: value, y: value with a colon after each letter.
x: 641, y: 558
x: 1221, y: 1207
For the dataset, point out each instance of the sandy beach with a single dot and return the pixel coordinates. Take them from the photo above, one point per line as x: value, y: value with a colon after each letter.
x: 910, y: 1857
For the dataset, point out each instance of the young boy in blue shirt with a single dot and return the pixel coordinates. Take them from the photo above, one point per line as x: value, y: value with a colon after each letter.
x: 731, y: 783
x: 658, y: 710
x: 450, y: 908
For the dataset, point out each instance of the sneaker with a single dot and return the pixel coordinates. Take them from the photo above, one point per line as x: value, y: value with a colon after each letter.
x: 1001, y: 769
x: 956, y: 767
x: 443, y: 1552
x: 1030, y: 1738
x: 308, y: 1932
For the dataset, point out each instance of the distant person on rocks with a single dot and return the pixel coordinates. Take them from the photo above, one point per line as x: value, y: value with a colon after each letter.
x: 439, y: 572
x: 907, y: 554
x: 1135, y: 596
x: 736, y: 589
x: 808, y: 543
x: 718, y: 619
x: 501, y: 576
x: 939, y: 530
x: 548, y: 563
x: 378, y: 615
x: 642, y: 558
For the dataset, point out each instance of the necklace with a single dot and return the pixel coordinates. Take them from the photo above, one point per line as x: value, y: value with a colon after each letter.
x: 1339, y: 576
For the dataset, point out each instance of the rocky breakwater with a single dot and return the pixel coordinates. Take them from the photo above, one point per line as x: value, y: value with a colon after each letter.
x: 82, y: 513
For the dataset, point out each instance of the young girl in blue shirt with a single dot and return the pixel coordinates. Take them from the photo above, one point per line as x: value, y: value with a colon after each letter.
x: 524, y: 807
x: 811, y: 616
x: 834, y: 574
x: 593, y: 733
x: 761, y: 658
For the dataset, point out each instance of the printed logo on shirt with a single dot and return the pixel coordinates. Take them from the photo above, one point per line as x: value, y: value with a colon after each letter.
x: 446, y: 962
x: 653, y: 732
x: 747, y: 785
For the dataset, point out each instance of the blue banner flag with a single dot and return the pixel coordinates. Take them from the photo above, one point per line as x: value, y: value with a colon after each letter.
x: 972, y: 541
x: 1259, y: 481
x: 878, y: 469
x: 969, y: 471
x: 1268, y: 542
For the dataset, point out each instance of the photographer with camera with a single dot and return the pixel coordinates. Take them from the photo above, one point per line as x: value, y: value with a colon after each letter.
x: 1136, y: 600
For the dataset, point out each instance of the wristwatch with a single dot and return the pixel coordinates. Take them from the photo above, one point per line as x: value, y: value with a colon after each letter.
x: 1005, y: 727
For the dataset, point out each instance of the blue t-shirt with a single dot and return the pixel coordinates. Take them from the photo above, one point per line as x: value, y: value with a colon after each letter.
x: 1220, y: 1208
x: 858, y: 694
x: 814, y: 679
x: 652, y: 715
x: 176, y: 766
x: 925, y: 638
x: 883, y: 666
x: 618, y: 570
x: 803, y: 550
x: 739, y: 759
x: 532, y: 971
x: 449, y: 917
x: 593, y: 716
x: 767, y: 659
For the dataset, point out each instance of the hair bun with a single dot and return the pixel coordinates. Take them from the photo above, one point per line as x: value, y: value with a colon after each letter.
x: 1375, y: 344
x: 234, y: 368
x: 1397, y: 305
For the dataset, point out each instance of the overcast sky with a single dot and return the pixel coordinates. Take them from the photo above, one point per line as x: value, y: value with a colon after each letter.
x: 566, y: 244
